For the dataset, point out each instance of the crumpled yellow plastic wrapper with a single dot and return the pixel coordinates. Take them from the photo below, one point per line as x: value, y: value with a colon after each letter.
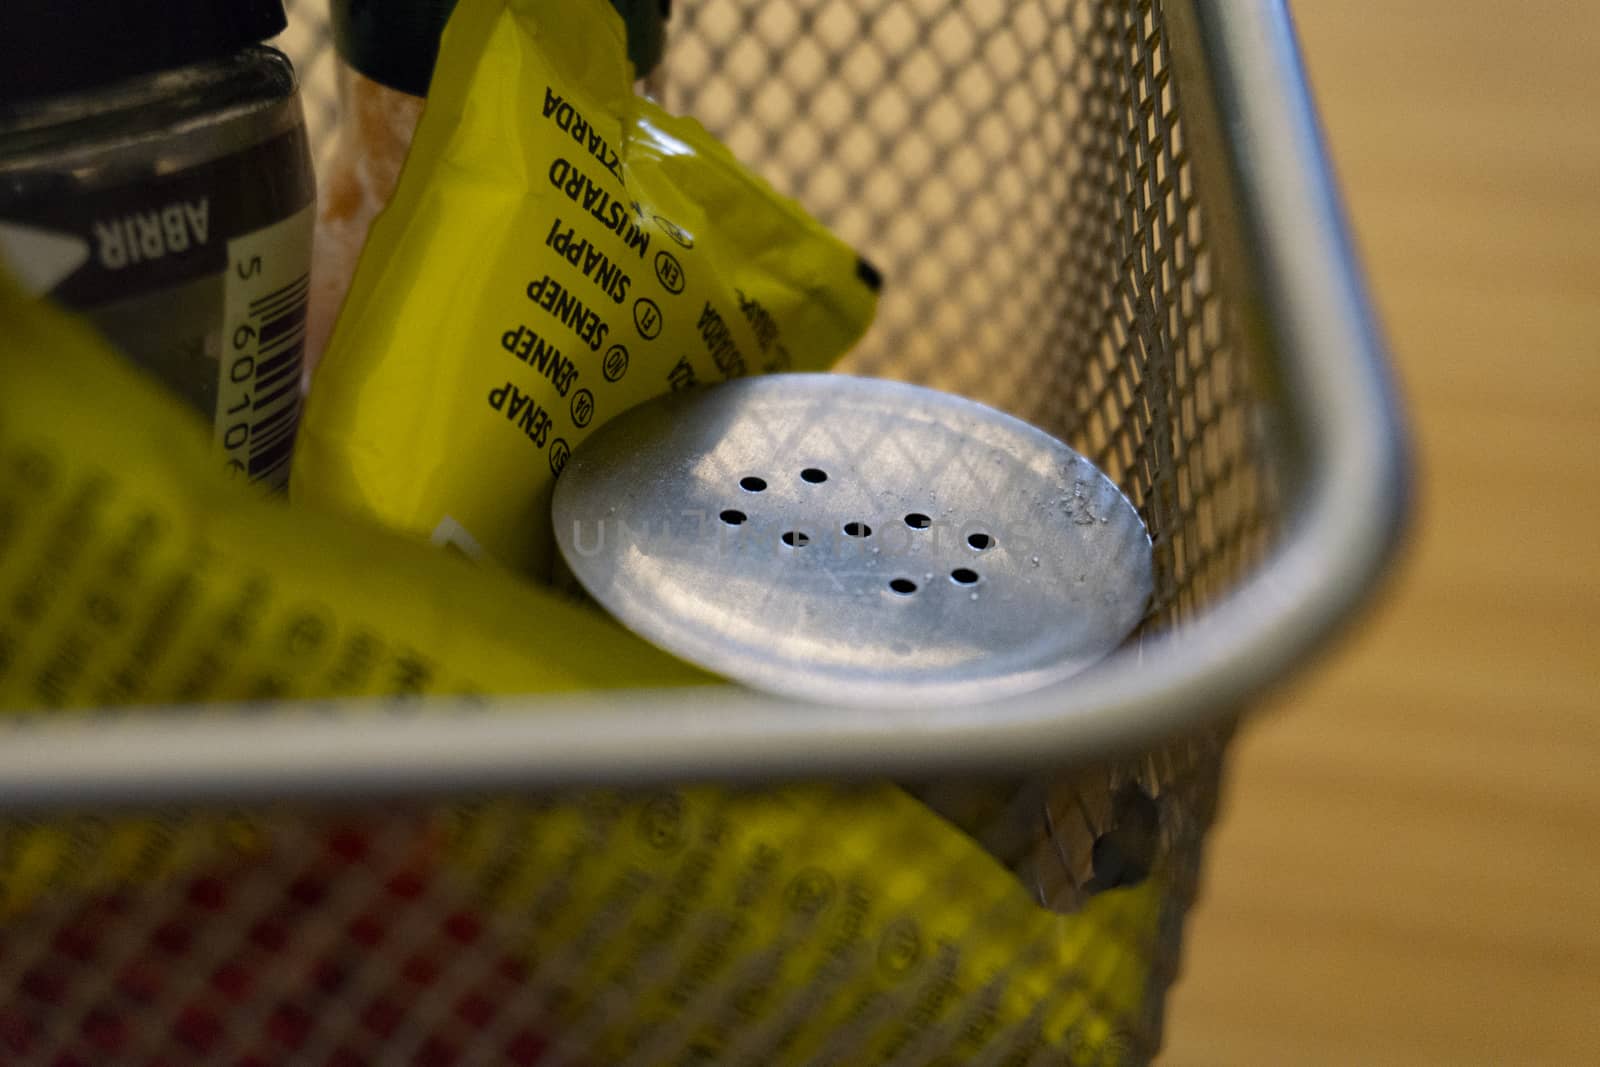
x: 557, y: 251
x: 132, y: 570
x: 747, y: 926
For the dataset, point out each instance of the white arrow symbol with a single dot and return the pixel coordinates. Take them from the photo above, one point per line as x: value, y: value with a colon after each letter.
x: 40, y: 259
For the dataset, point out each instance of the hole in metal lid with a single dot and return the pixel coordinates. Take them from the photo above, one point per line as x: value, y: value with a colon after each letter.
x: 857, y: 529
x: 963, y: 576
x: 814, y: 476
x: 733, y: 517
x: 752, y: 484
x: 1125, y: 854
x: 796, y: 539
x: 903, y: 586
x: 980, y: 541
x: 918, y: 521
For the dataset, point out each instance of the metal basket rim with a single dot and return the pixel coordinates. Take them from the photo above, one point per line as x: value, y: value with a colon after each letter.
x: 1308, y: 301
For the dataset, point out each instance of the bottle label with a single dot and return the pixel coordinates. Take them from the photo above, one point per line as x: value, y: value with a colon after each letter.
x: 198, y: 275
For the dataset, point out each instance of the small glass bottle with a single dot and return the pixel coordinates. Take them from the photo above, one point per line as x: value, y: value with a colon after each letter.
x: 388, y: 51
x: 155, y: 176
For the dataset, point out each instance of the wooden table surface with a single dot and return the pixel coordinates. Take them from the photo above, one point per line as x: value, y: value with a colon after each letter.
x: 1408, y: 866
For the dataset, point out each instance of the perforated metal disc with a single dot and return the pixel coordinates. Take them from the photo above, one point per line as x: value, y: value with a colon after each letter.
x: 855, y: 541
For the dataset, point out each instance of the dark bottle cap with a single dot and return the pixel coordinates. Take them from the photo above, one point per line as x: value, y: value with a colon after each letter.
x: 51, y: 47
x: 395, y: 42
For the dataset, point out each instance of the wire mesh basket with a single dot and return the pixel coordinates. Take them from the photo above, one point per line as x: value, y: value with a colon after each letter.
x: 1109, y: 217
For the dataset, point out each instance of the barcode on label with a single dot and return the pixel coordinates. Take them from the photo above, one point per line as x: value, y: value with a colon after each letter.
x: 275, y: 408
x: 263, y: 347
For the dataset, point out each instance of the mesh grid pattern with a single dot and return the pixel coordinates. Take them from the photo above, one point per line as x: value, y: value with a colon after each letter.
x: 1019, y: 173
x: 354, y: 939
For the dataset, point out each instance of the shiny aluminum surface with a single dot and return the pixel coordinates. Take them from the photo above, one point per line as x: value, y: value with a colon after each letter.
x: 854, y: 541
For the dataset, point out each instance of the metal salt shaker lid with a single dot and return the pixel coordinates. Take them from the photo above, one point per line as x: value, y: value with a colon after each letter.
x: 853, y: 541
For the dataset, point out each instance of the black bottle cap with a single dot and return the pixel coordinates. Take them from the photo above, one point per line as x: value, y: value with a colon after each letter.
x: 51, y: 47
x: 395, y: 42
